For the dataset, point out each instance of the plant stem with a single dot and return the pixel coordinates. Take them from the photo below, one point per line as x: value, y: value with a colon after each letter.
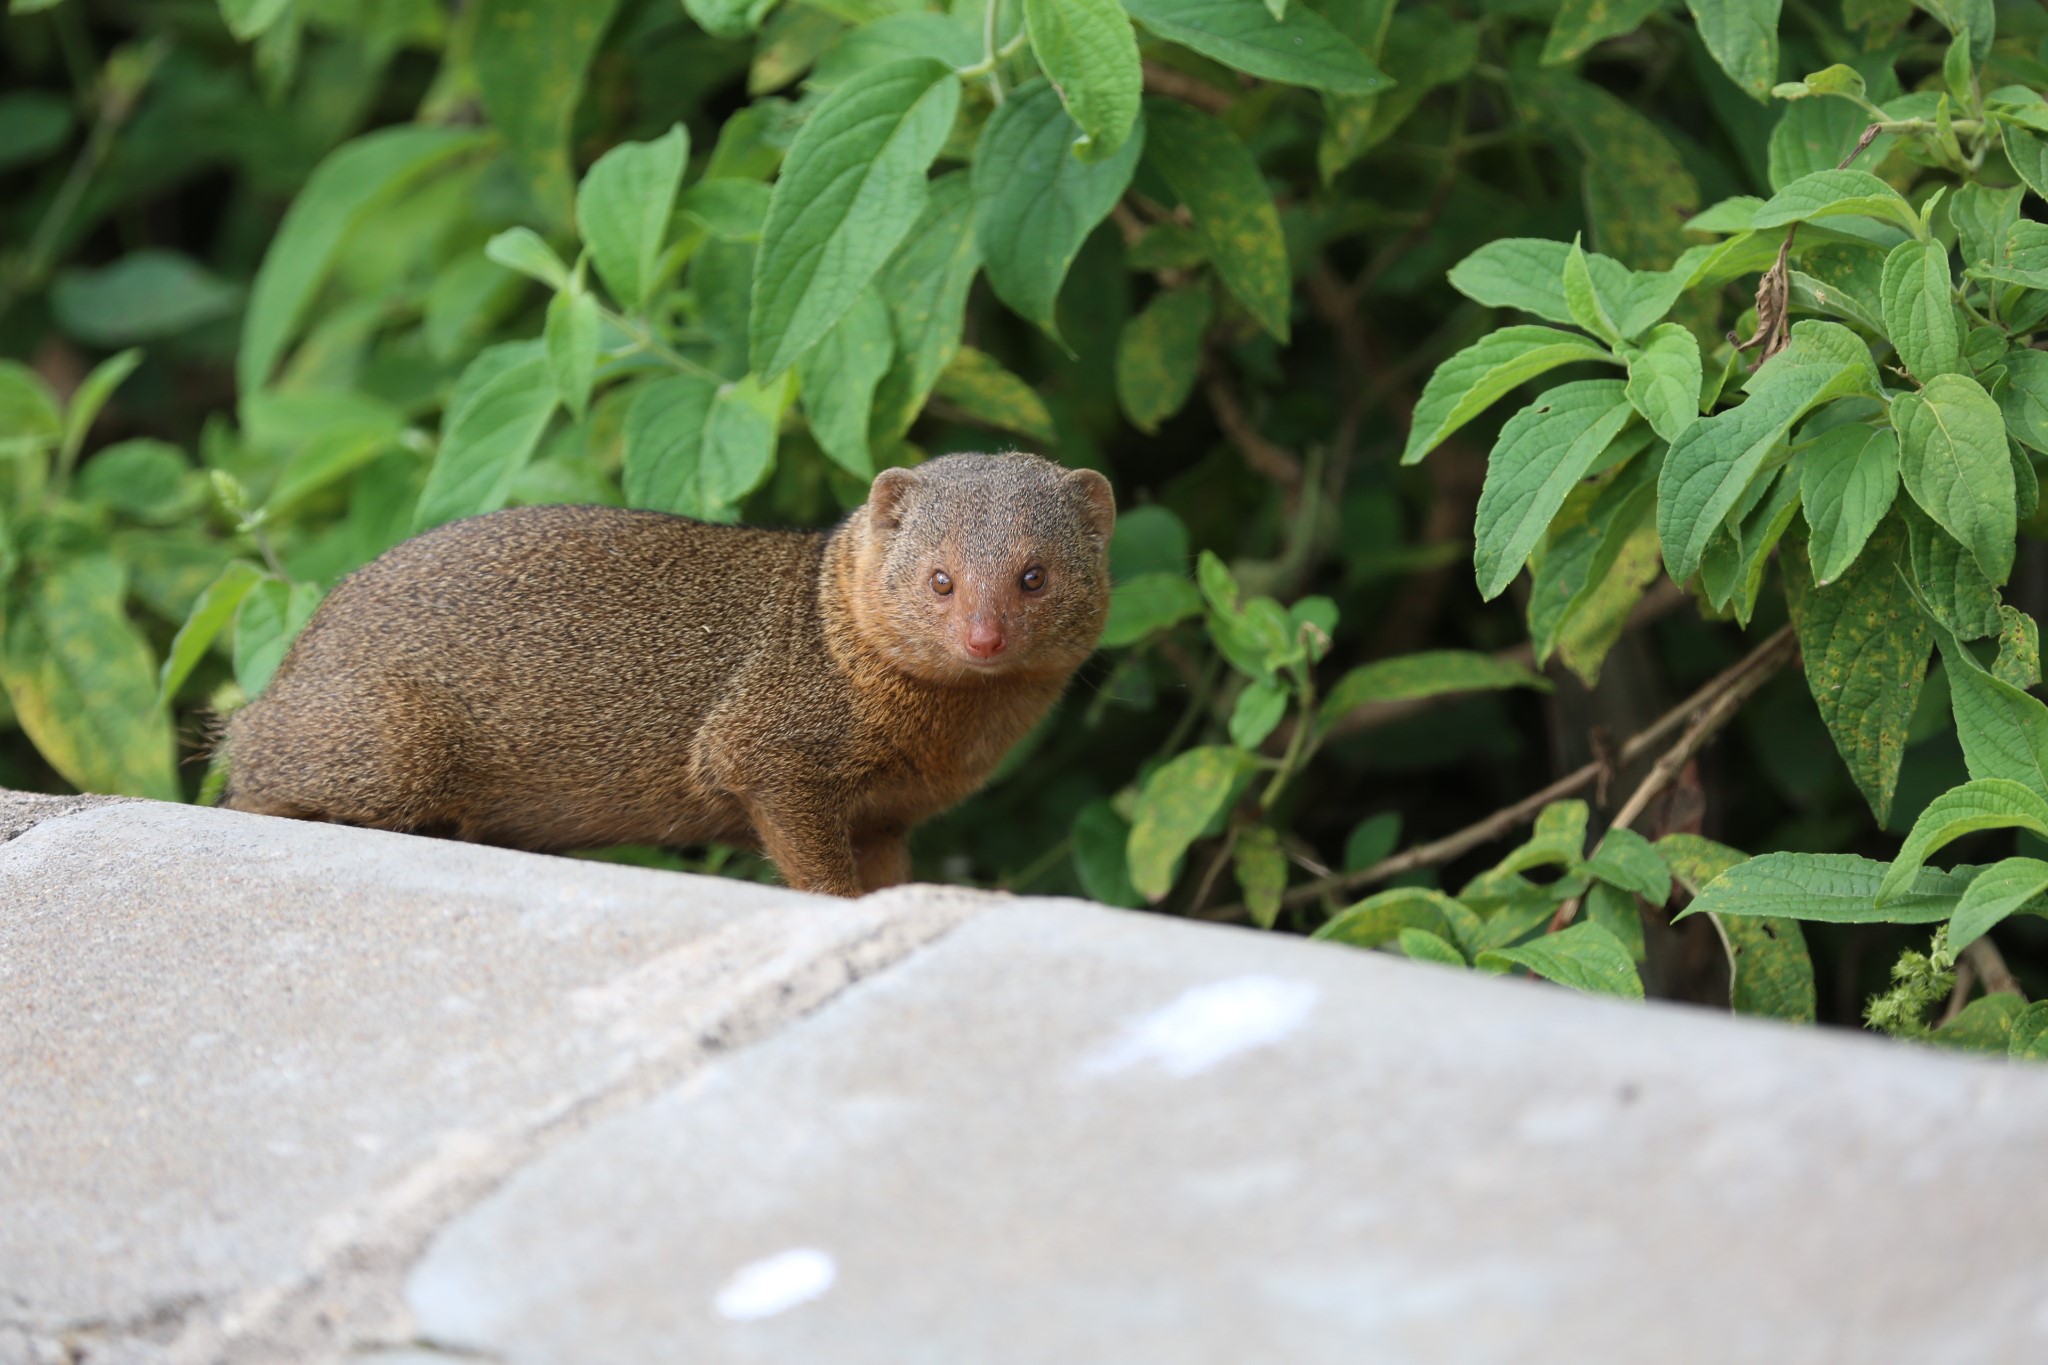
x: 645, y: 339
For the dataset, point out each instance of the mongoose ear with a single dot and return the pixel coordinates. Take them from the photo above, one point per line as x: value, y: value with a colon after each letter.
x: 886, y: 497
x: 1097, y: 499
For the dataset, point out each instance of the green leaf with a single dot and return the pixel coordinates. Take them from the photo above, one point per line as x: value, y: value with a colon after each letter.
x: 1543, y: 452
x: 1919, y: 313
x: 1627, y: 860
x: 1090, y: 56
x: 1302, y: 49
x: 2002, y: 889
x: 1100, y: 837
x: 1150, y: 602
x: 853, y: 186
x: 1218, y: 181
x: 494, y: 422
x: 1261, y: 873
x: 1615, y: 911
x: 142, y: 296
x: 694, y: 448
x: 1035, y: 202
x: 2028, y: 1041
x: 1947, y: 575
x: 730, y: 210
x: 1664, y: 380
x: 1979, y: 804
x: 1601, y: 554
x: 980, y: 387
x: 2023, y: 400
x: 1378, y: 919
x: 1952, y: 459
x: 343, y: 190
x: 524, y: 250
x: 1712, y: 464
x: 1695, y: 861
x: 529, y: 58
x: 1833, y: 194
x: 1372, y: 839
x: 1834, y: 888
x: 33, y: 125
x: 1770, y: 972
x: 2003, y: 730
x: 1472, y: 380
x: 954, y: 39
x: 1148, y: 539
x: 2019, y: 649
x: 1984, y: 1025
x: 1178, y: 802
x: 269, y: 619
x: 1585, y: 957
x: 30, y: 420
x: 1583, y: 300
x: 82, y: 681
x: 1528, y: 273
x: 925, y: 287
x: 1431, y: 673
x: 249, y: 19
x: 209, y: 617
x: 91, y: 396
x: 2028, y: 153
x: 1259, y: 709
x: 1581, y: 24
x: 1847, y: 483
x: 838, y: 378
x: 1159, y: 355
x: 1558, y: 839
x: 1845, y: 279
x: 1422, y: 946
x: 623, y: 208
x: 1865, y: 647
x: 147, y: 480
x: 1742, y: 37
x: 571, y: 341
x: 728, y: 18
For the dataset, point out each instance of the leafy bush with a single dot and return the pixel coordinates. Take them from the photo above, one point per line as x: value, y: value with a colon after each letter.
x: 1276, y: 265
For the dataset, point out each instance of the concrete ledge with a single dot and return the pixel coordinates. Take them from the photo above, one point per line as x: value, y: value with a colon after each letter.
x: 278, y: 1091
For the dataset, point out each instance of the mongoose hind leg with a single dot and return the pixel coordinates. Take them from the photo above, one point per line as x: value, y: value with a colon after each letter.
x: 813, y: 848
x: 882, y: 858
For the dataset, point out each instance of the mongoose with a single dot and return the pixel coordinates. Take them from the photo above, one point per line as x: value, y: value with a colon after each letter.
x: 555, y: 678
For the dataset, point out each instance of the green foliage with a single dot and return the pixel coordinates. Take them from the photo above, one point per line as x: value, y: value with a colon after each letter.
x: 392, y: 266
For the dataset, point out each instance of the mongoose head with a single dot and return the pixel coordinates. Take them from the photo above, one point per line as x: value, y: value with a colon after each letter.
x: 980, y: 566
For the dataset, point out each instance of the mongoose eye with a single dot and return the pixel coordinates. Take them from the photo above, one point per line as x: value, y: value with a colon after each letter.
x: 942, y: 584
x: 1033, y: 579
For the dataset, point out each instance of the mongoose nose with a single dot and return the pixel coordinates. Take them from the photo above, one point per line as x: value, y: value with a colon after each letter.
x: 984, y: 639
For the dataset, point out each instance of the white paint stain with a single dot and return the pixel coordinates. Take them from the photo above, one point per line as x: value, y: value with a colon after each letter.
x: 775, y: 1284
x: 1208, y: 1024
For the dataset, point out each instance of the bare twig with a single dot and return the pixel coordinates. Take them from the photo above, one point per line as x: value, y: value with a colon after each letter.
x: 1998, y: 979
x: 1269, y: 460
x: 1164, y: 80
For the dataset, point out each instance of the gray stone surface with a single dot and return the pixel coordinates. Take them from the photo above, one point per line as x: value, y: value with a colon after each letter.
x: 249, y: 1064
x: 21, y: 812
x: 1064, y: 1134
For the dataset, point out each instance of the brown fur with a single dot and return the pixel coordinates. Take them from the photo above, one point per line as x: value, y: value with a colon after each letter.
x: 569, y: 677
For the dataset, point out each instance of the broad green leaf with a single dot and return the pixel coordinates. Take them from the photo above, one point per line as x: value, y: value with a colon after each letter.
x: 2023, y: 399
x: 1431, y: 673
x: 1627, y: 860
x: 1981, y: 216
x: 1585, y: 957
x: 730, y: 210
x: 1557, y: 840
x: 1302, y: 49
x: 146, y: 480
x: 1259, y: 709
x: 1261, y: 873
x: 1218, y: 181
x: 1178, y: 802
x: 524, y: 250
x: 1036, y: 202
x: 2019, y: 649
x: 1742, y: 36
x: 1770, y: 972
x: 975, y: 383
x: 1420, y: 945
x: 250, y: 19
x: 1984, y: 1025
x: 1472, y: 380
x: 82, y: 681
x: 954, y: 39
x: 1865, y: 646
x: 1543, y: 452
x: 1833, y: 194
x: 1846, y: 484
x: 1835, y: 888
x: 269, y: 619
x: 1372, y: 839
x: 838, y: 378
x: 2003, y: 730
x: 142, y: 296
x: 1713, y: 463
x: 1159, y: 355
x: 2028, y: 153
x: 30, y: 419
x: 1378, y: 919
x: 1100, y: 838
x: 623, y: 208
x: 1615, y: 911
x: 1528, y: 273
x: 1148, y: 539
x: 571, y: 340
x: 1426, y: 46
x: 1845, y: 279
x: 1979, y: 804
x: 1694, y: 861
x: 33, y: 124
x: 1147, y: 603
x: 1732, y: 570
x: 1957, y: 591
x: 2028, y: 1041
x: 1583, y: 301
x: 1919, y: 314
x: 494, y: 422
x: 91, y: 396
x: 1580, y: 24
x: 851, y: 189
x: 529, y: 58
x: 1952, y: 459
x: 1636, y: 187
x: 1664, y: 380
x: 694, y: 448
x: 728, y: 18
x: 209, y: 617
x: 925, y: 288
x: 343, y: 190
x: 1600, y: 555
x: 1090, y: 56
x: 2002, y: 889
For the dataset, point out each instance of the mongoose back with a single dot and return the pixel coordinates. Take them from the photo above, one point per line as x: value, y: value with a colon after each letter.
x: 555, y: 678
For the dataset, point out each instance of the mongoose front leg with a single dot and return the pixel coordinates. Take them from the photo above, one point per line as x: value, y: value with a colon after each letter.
x: 814, y: 850
x: 883, y: 857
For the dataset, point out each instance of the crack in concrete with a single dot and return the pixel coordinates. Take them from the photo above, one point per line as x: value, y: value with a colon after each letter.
x: 351, y: 1299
